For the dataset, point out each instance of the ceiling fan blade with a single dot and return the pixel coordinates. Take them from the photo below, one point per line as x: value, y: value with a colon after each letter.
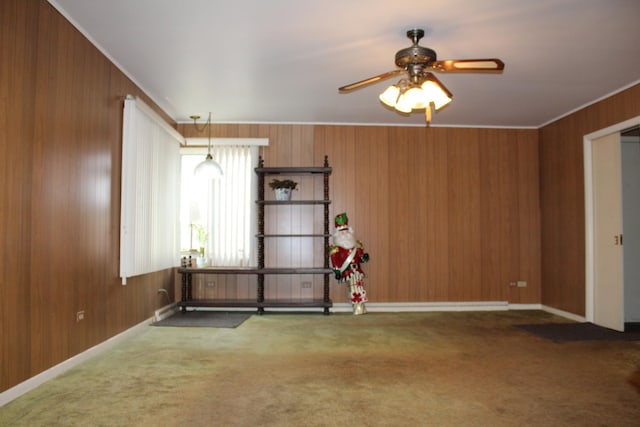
x: 370, y: 80
x: 469, y: 65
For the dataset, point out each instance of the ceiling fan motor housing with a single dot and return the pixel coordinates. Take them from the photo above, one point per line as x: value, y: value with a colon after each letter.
x: 415, y: 55
x: 415, y: 58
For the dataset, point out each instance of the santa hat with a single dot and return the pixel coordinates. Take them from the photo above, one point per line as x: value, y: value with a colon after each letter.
x: 342, y: 221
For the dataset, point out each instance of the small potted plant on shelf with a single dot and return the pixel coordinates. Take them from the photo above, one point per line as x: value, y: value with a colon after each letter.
x: 283, y: 188
x: 202, y: 237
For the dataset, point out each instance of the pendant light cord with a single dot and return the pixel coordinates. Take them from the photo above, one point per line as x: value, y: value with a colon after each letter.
x: 209, y: 156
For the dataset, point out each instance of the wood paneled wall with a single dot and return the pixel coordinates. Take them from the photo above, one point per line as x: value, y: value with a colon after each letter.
x: 18, y: 23
x: 562, y: 191
x: 446, y: 214
x: 61, y: 107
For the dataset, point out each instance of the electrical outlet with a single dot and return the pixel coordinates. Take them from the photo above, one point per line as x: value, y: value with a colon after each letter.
x: 513, y: 284
x: 211, y: 284
x: 80, y: 315
x: 522, y: 284
x: 306, y: 284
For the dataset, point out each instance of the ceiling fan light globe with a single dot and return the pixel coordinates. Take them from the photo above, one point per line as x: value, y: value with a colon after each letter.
x: 436, y: 94
x: 404, y: 104
x: 439, y: 103
x: 390, y: 96
x: 417, y: 98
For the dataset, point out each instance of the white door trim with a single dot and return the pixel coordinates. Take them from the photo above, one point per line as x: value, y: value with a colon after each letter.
x: 588, y: 210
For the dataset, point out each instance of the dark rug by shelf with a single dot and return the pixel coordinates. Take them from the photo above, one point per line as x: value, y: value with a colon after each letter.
x: 205, y: 319
x: 568, y: 332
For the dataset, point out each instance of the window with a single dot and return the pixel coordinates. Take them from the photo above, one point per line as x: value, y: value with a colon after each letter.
x: 220, y: 215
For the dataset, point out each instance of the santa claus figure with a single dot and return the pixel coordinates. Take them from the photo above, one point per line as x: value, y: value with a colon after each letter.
x: 346, y: 255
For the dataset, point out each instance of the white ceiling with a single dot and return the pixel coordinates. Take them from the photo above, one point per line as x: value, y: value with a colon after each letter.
x: 282, y: 61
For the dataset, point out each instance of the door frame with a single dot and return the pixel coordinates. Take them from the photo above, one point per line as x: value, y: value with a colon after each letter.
x: 588, y: 210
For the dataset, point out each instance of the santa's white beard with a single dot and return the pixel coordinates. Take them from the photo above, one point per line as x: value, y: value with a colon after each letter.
x: 344, y: 239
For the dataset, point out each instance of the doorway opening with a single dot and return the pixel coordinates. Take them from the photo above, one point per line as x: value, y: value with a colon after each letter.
x: 630, y: 159
x: 628, y: 127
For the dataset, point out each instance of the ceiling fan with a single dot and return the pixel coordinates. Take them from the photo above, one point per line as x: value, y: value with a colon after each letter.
x: 420, y: 88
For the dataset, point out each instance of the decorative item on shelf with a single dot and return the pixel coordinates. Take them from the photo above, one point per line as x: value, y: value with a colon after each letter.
x: 188, y: 258
x: 209, y: 168
x: 283, y: 188
x: 202, y: 237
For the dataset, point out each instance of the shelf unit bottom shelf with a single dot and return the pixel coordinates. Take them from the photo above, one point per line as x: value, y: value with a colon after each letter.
x: 315, y: 303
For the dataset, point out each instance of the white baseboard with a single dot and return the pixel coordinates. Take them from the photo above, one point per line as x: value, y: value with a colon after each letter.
x: 33, y: 382
x: 393, y: 307
x: 428, y: 306
x: 525, y: 307
x: 166, y: 311
x: 456, y: 306
x: 563, y: 313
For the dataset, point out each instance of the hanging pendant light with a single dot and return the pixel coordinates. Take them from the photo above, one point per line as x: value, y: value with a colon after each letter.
x: 209, y: 168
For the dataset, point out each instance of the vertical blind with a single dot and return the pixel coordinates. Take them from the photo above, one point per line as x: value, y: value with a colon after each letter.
x: 232, y: 202
x: 150, y: 193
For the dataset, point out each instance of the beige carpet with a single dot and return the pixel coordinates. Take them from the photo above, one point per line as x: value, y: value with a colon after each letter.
x: 380, y: 369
